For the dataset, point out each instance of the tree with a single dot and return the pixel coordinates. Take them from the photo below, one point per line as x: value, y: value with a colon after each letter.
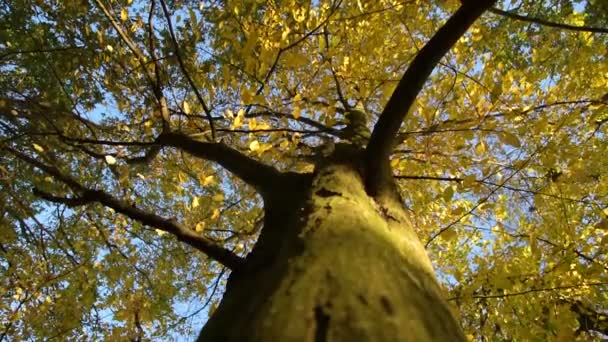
x: 386, y: 170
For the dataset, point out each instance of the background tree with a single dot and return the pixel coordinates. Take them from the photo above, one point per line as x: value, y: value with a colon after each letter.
x: 150, y: 148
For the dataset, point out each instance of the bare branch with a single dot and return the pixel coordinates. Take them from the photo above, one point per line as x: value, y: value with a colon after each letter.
x: 385, y: 130
x: 444, y: 179
x: 153, y: 78
x: 548, y: 23
x: 125, y: 38
x: 86, y: 196
x: 40, y: 50
x: 182, y: 66
x: 51, y: 170
x: 532, y: 290
x: 271, y: 130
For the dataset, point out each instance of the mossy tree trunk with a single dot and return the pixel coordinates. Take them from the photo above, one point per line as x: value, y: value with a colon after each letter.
x: 333, y: 264
x: 337, y: 259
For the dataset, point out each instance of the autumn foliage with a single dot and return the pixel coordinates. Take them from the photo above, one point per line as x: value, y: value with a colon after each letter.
x: 139, y: 138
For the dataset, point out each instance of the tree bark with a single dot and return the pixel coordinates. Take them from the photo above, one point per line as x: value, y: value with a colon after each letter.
x: 333, y: 265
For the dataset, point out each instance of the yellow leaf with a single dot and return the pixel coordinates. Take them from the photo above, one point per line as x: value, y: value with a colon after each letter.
x: 195, y: 202
x: 509, y: 139
x: 186, y: 107
x: 297, y: 98
x: 254, y: 145
x: 160, y: 232
x: 458, y: 211
x: 238, y: 120
x: 264, y: 147
x: 360, y: 5
x: 603, y: 224
x: 296, y: 112
x: 246, y: 96
x: 38, y: 148
x: 216, y: 214
x: 502, y: 281
x: 262, y: 125
x: 181, y: 177
x: 260, y: 99
x: 468, y: 181
x: 480, y: 148
x: 449, y: 234
x: 448, y: 193
x: 253, y: 123
x: 322, y: 45
x: 109, y: 48
x: 218, y: 197
x: 285, y: 33
x: 110, y: 160
x: 199, y: 227
x: 124, y: 14
x: 208, y: 180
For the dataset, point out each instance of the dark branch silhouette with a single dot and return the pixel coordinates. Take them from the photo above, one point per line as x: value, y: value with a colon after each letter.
x: 86, y: 196
x: 548, y: 23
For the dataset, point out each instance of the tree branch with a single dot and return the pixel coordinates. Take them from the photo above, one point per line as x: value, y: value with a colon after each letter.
x: 444, y: 179
x: 86, y: 196
x: 301, y: 119
x: 544, y: 22
x: 589, y: 320
x: 532, y: 290
x: 385, y: 130
x: 259, y: 175
x: 153, y: 78
x: 180, y: 61
x: 183, y: 234
x: 40, y: 50
x: 125, y: 38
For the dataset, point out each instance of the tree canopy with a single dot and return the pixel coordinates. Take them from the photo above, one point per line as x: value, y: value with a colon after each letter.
x: 137, y: 139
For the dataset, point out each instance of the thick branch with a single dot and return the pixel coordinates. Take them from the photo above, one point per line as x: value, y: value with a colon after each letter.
x: 544, y: 22
x: 214, y: 251
x: 385, y: 130
x: 259, y: 175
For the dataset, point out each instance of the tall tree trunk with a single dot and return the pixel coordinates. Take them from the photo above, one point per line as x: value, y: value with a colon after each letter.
x: 334, y: 265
